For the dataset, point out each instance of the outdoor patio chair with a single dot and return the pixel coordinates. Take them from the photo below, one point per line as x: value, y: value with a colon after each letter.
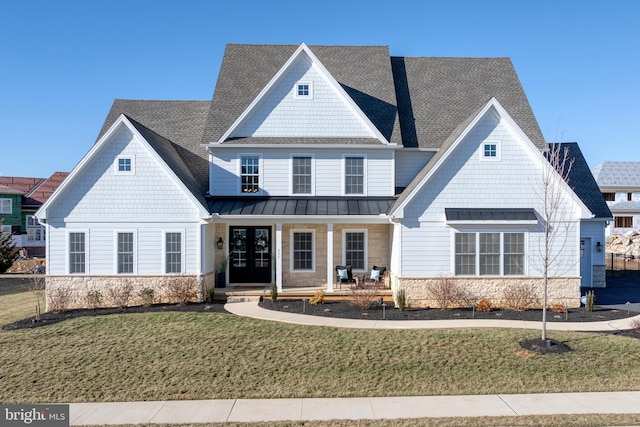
x: 376, y: 277
x: 344, y: 274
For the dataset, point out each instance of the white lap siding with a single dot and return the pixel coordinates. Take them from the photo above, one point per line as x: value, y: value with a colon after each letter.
x: 468, y: 181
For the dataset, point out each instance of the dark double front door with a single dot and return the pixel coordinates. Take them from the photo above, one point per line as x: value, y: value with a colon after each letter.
x: 250, y: 254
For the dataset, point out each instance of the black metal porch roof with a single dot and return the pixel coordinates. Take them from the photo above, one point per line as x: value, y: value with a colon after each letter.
x: 317, y: 206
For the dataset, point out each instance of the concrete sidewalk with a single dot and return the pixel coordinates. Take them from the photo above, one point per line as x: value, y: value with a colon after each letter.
x: 263, y: 410
x: 252, y: 309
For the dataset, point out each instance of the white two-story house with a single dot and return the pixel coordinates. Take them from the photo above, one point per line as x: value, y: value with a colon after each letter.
x: 310, y: 157
x: 619, y: 183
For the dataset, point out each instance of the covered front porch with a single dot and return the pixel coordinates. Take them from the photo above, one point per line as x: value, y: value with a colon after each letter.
x: 299, y: 255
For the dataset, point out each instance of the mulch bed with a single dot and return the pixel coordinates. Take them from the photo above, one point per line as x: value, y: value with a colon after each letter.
x: 377, y: 312
x: 52, y: 318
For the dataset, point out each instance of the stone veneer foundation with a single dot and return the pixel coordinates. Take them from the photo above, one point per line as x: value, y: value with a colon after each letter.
x: 565, y: 290
x: 80, y: 286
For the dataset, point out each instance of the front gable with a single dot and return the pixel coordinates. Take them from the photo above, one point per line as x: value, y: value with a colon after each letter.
x: 461, y: 176
x: 122, y: 178
x: 303, y: 100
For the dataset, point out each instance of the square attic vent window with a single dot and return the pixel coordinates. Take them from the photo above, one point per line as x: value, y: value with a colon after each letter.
x: 304, y: 90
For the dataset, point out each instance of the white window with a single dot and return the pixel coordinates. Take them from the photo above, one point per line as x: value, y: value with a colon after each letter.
x: 489, y: 254
x: 173, y: 252
x: 35, y: 231
x: 125, y: 165
x: 249, y: 174
x: 301, y: 174
x: 490, y: 151
x: 77, y: 254
x: 6, y: 206
x: 302, y: 250
x: 5, y: 229
x: 354, y: 177
x: 303, y: 90
x: 125, y: 252
x: 355, y: 249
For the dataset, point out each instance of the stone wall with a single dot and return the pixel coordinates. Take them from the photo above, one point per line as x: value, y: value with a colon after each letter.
x: 74, y: 289
x: 565, y: 290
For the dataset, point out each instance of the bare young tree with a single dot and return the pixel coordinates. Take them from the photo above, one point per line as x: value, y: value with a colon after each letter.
x: 36, y: 283
x: 552, y: 258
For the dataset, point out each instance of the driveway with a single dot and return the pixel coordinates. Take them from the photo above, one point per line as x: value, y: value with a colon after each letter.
x: 619, y: 291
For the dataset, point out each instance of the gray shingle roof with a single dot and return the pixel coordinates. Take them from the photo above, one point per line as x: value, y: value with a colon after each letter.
x: 617, y: 174
x: 179, y: 124
x: 582, y: 182
x: 436, y: 94
x: 363, y: 71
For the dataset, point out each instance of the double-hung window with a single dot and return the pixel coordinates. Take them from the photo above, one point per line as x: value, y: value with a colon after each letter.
x: 301, y: 175
x: 125, y: 252
x: 6, y: 206
x: 355, y: 249
x: 35, y: 232
x: 77, y: 254
x: 489, y: 254
x: 173, y: 252
x: 302, y: 251
x: 249, y: 174
x: 354, y: 175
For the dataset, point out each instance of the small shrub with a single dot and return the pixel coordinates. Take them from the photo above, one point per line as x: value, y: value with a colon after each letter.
x: 520, y: 296
x: 59, y: 299
x: 318, y: 298
x: 484, y: 305
x: 179, y: 289
x: 447, y: 293
x: 591, y: 300
x: 120, y: 293
x: 558, y: 307
x: 148, y: 296
x: 635, y: 326
x: 273, y: 290
x: 401, y: 299
x: 93, y: 299
x: 209, y: 297
x: 363, y: 296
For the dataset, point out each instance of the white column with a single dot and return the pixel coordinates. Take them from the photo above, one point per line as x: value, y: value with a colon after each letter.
x: 330, y: 273
x: 279, y: 256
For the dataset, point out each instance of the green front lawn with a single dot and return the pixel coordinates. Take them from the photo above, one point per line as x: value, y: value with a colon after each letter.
x: 182, y: 355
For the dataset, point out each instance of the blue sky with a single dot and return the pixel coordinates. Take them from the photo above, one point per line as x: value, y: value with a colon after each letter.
x: 64, y: 62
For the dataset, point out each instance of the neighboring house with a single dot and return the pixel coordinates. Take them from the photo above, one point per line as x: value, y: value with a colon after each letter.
x: 310, y: 157
x: 619, y: 183
x: 33, y: 192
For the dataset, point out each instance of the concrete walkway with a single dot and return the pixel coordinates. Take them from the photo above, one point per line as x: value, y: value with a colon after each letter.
x: 263, y: 410
x: 252, y: 309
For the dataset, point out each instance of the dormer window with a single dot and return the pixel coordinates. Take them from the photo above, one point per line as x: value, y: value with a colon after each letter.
x: 304, y: 90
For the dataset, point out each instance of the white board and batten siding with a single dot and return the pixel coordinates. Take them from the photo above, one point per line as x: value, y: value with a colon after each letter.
x: 466, y: 180
x: 276, y: 171
x: 101, y: 202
